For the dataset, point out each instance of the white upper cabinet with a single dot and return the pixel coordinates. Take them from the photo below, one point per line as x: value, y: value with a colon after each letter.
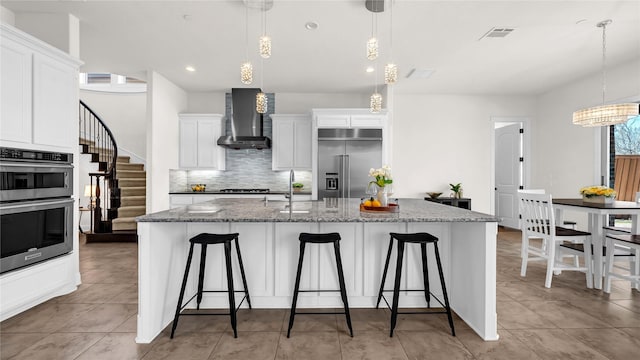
x: 199, y: 134
x: 291, y: 145
x: 39, y: 92
x: 349, y: 118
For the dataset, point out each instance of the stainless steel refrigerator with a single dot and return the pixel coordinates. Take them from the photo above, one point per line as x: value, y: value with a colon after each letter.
x: 344, y: 159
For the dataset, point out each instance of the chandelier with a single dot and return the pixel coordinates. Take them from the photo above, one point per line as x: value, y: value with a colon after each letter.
x: 604, y: 115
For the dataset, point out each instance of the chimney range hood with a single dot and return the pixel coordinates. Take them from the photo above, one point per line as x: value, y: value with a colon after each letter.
x: 245, y: 122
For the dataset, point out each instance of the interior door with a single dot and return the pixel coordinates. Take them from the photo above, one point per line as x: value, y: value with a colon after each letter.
x: 508, y: 173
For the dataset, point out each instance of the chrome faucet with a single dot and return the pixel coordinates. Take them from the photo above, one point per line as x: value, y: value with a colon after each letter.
x: 292, y: 178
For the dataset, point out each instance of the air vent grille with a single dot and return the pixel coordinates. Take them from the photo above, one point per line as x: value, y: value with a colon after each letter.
x: 497, y: 32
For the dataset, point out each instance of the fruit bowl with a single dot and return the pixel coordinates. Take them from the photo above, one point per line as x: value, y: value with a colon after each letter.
x: 434, y: 195
x: 198, y: 187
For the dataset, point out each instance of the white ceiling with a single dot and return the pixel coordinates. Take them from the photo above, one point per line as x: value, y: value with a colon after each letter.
x: 554, y: 42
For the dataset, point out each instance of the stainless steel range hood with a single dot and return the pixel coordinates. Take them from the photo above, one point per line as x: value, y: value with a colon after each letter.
x: 246, y: 122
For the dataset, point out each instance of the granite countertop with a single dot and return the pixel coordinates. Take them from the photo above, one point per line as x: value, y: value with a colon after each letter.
x: 332, y: 210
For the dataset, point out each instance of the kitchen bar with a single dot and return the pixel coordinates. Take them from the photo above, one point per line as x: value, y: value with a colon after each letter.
x: 269, y: 241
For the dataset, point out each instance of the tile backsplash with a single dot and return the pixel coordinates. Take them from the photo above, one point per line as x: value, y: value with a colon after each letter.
x: 245, y: 169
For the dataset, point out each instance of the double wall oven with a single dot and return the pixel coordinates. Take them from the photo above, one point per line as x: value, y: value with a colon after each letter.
x: 36, y: 206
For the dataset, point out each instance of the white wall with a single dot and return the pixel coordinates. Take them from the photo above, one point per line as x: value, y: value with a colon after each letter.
x: 566, y: 157
x: 59, y: 30
x: 443, y: 139
x: 7, y: 16
x: 286, y: 103
x: 124, y: 114
x: 164, y: 102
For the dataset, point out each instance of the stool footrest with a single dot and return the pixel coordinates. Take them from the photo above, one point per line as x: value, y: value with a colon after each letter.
x: 318, y: 290
x: 319, y: 313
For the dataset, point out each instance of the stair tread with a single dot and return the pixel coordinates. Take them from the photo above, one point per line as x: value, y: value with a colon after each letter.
x: 124, y: 220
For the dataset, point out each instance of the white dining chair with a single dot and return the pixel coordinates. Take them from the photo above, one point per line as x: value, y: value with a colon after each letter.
x: 538, y: 221
x: 612, y: 230
x: 626, y: 243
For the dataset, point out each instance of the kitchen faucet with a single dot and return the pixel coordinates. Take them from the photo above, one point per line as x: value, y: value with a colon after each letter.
x: 292, y: 178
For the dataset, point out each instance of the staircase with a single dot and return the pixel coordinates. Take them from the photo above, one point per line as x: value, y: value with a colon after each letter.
x: 120, y: 186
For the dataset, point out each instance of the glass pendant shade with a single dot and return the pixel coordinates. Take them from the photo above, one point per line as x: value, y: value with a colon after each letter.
x: 261, y: 102
x: 390, y: 73
x: 376, y: 103
x: 246, y: 73
x: 265, y: 46
x: 605, y: 115
x: 372, y: 48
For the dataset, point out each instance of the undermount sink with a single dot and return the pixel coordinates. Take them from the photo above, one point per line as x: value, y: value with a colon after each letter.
x: 202, y: 209
x: 294, y: 211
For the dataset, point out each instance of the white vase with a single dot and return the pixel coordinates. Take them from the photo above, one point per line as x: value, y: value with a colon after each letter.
x: 383, y: 196
x: 599, y: 199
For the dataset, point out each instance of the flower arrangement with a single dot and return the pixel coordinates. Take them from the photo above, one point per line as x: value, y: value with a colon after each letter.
x: 382, y: 175
x: 593, y: 191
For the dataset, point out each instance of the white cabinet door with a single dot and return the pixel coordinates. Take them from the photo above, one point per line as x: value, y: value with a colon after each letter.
x: 333, y: 121
x: 291, y: 147
x: 188, y: 143
x: 283, y: 142
x: 176, y: 201
x: 15, y: 91
x: 198, y: 141
x: 55, y: 97
x: 302, y: 146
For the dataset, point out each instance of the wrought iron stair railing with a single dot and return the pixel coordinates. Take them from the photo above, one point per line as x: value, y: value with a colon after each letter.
x: 98, y: 140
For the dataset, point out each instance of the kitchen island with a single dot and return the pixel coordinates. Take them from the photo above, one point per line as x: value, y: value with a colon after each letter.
x: 269, y: 243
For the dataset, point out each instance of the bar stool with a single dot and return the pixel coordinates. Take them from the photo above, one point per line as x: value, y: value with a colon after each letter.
x: 416, y: 238
x: 203, y: 240
x: 320, y: 239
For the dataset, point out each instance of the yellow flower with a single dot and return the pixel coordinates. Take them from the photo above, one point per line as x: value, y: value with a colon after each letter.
x: 590, y: 191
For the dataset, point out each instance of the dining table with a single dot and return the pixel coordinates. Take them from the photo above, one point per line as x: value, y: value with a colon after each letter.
x: 598, y: 215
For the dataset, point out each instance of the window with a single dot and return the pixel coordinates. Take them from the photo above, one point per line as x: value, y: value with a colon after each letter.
x: 108, y: 82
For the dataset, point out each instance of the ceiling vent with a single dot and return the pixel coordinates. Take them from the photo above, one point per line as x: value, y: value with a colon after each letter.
x: 420, y: 73
x: 497, y: 32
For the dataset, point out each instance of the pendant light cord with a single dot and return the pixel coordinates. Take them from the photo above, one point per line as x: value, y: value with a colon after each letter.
x: 246, y: 31
x: 604, y: 58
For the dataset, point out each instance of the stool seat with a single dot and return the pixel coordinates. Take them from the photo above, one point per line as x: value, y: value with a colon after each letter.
x: 423, y: 239
x: 211, y: 239
x: 203, y: 240
x: 325, y: 238
x: 319, y: 238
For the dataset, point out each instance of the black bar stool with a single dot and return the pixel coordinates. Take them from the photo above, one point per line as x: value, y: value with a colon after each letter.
x: 205, y: 239
x: 320, y: 239
x: 416, y: 238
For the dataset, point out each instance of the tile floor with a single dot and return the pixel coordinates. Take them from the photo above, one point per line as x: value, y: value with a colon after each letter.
x: 98, y: 321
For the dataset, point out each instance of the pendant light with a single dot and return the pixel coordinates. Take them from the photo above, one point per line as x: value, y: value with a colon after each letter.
x: 605, y: 115
x: 246, y: 69
x: 265, y: 41
x: 372, y: 43
x: 265, y: 52
x: 391, y: 69
x: 375, y: 103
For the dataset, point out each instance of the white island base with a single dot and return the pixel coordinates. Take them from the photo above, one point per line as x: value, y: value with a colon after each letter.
x: 270, y: 253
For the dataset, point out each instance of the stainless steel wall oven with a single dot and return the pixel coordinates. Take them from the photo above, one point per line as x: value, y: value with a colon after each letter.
x: 36, y: 206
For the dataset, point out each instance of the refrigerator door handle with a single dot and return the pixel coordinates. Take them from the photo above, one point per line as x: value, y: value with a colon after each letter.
x: 347, y: 172
x: 341, y: 182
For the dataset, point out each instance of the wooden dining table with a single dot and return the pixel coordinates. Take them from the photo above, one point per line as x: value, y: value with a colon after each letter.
x: 598, y: 214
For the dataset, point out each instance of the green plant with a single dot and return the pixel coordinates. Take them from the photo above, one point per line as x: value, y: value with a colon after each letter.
x: 297, y: 185
x: 456, y: 188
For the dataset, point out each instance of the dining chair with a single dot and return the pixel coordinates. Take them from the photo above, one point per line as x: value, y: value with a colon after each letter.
x: 538, y: 221
x: 628, y: 243
x: 613, y: 230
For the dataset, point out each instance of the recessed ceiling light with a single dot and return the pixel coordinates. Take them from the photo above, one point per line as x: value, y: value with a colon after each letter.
x: 311, y: 25
x: 370, y: 69
x: 190, y: 68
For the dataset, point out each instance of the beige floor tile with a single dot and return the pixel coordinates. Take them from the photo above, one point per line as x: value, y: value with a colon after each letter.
x: 308, y: 322
x: 248, y: 345
x: 563, y: 315
x: 372, y: 345
x: 261, y: 319
x: 309, y: 346
x: 507, y: 348
x: 127, y: 296
x: 121, y: 346
x: 192, y: 346
x: 13, y: 343
x: 366, y: 320
x: 634, y: 332
x: 609, y: 312
x: 190, y: 324
x: 102, y: 318
x: 94, y: 294
x: 432, y: 345
x: 46, y: 317
x: 556, y: 344
x: 633, y: 305
x: 59, y: 346
x: 612, y: 343
x: 513, y: 315
x: 129, y: 325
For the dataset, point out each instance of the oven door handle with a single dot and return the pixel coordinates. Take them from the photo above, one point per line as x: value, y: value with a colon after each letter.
x: 26, y: 204
x: 7, y: 164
